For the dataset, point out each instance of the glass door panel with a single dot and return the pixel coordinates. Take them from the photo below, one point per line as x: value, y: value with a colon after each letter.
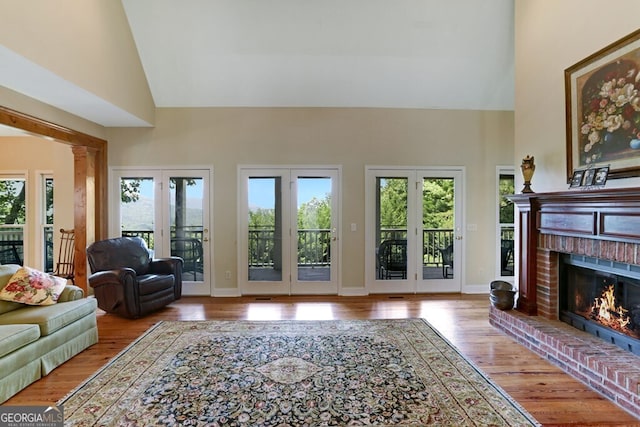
x: 169, y: 210
x: 440, y: 229
x: 264, y: 241
x: 391, y: 228
x: 413, y: 241
x: 390, y: 243
x: 314, y: 229
x: 438, y: 226
x: 138, y: 208
x: 288, y: 232
x: 189, y: 234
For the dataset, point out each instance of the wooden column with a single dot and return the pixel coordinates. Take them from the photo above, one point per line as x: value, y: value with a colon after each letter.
x: 90, y: 191
x: 527, y: 248
x: 84, y: 162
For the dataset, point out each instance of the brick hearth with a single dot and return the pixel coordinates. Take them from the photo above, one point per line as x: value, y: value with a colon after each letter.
x: 603, y: 225
x: 608, y: 369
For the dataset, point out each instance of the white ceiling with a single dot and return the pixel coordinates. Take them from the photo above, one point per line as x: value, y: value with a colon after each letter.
x: 453, y: 54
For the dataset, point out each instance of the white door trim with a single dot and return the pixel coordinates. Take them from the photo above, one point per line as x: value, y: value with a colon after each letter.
x: 414, y: 282
x: 289, y: 284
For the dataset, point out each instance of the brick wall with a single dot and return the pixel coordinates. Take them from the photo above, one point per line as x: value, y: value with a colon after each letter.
x: 549, y: 248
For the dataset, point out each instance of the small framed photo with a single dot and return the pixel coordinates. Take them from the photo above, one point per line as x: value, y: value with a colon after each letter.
x: 587, y: 179
x: 576, y: 180
x: 601, y: 176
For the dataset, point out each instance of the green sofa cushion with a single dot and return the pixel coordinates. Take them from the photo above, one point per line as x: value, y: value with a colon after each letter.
x: 71, y: 293
x: 13, y: 337
x: 7, y: 306
x: 50, y: 318
x: 6, y: 272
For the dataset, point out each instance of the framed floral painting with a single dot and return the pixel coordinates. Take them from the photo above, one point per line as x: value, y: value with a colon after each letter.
x: 603, y: 110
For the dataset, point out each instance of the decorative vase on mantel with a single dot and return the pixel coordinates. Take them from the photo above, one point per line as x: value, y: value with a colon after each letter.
x: 528, y: 167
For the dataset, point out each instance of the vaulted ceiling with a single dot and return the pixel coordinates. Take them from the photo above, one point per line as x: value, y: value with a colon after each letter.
x: 452, y: 54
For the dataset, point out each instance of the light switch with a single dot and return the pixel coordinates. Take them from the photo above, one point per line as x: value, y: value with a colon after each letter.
x: 353, y: 226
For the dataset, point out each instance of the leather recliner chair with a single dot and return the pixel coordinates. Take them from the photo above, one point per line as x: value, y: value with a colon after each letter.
x: 127, y: 281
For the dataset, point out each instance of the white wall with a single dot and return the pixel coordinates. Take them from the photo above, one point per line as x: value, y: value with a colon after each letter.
x: 34, y: 155
x: 88, y: 43
x: 551, y: 36
x: 352, y: 138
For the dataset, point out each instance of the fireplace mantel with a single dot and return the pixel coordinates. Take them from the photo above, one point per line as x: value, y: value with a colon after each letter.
x: 599, y: 215
x: 600, y: 224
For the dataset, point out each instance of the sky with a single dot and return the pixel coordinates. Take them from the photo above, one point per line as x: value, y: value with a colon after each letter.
x: 193, y: 191
x: 261, y: 192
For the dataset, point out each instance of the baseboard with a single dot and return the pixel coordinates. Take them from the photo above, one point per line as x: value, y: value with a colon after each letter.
x: 226, y: 292
x: 475, y: 289
x: 353, y: 292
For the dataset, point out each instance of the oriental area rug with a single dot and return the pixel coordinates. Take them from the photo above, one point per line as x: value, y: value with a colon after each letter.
x: 291, y: 373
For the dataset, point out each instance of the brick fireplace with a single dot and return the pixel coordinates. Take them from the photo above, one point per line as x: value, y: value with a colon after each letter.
x: 603, y: 225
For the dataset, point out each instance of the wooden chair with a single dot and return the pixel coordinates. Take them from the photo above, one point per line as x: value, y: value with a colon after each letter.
x: 66, y: 256
x: 447, y: 261
x: 506, y: 257
x: 190, y: 250
x: 392, y: 259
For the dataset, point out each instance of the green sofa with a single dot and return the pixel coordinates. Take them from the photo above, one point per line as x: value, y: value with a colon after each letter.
x: 34, y: 340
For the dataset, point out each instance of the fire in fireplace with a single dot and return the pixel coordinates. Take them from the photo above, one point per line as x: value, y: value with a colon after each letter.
x: 602, y: 300
x: 606, y: 312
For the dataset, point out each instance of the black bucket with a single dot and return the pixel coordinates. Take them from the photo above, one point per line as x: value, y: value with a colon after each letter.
x: 502, y: 295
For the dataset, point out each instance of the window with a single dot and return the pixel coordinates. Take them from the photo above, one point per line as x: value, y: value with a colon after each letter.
x: 46, y: 219
x: 12, y: 219
x: 505, y: 222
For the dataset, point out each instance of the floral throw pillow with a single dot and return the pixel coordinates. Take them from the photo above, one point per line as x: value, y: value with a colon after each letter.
x: 33, y: 287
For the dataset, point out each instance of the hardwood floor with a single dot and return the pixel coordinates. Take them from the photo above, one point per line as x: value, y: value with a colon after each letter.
x: 551, y: 396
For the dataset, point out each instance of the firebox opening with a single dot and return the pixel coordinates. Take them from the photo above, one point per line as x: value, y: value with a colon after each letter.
x: 603, y: 300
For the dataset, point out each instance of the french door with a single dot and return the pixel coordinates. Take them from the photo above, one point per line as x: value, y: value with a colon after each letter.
x: 288, y: 230
x: 414, y: 230
x: 169, y: 209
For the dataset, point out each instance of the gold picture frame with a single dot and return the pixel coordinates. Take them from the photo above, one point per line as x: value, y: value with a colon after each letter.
x: 602, y: 96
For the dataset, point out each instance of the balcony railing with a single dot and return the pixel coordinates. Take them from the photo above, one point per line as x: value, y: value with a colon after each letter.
x: 147, y: 235
x: 314, y: 245
x: 433, y: 239
x: 11, y: 245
